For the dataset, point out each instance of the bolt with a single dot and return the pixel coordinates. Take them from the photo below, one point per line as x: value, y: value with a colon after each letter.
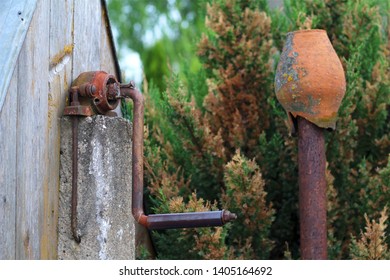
x: 227, y: 216
x: 93, y: 89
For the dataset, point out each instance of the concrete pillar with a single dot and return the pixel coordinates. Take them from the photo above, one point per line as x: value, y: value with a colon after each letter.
x: 104, y: 190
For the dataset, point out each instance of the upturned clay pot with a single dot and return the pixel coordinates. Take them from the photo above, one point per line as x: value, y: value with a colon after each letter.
x: 310, y: 79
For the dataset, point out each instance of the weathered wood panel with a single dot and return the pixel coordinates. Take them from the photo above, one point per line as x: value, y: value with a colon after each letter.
x: 107, y: 55
x: 65, y: 38
x: 107, y: 58
x: 15, y: 18
x: 32, y: 122
x: 87, y: 36
x: 8, y: 172
x: 60, y: 73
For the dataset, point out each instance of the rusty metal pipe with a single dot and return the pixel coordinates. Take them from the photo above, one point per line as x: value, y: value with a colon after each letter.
x: 129, y: 91
x: 312, y: 190
x: 188, y: 220
x: 160, y: 221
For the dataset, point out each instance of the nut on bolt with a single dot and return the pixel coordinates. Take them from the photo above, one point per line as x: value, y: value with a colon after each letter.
x: 227, y: 216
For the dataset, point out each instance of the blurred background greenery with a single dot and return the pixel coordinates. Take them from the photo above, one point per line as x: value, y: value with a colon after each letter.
x: 216, y: 135
x: 163, y: 33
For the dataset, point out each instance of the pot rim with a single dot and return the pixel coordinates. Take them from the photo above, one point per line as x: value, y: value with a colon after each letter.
x: 307, y: 31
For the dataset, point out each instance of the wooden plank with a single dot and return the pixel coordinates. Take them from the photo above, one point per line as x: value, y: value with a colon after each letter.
x: 8, y: 172
x: 60, y: 72
x: 32, y: 122
x: 107, y: 57
x: 109, y: 40
x: 15, y: 18
x: 86, y: 54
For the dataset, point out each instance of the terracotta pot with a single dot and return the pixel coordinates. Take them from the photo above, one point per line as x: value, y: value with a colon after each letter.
x: 310, y: 79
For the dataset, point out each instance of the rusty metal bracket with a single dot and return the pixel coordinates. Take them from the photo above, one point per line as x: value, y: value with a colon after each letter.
x: 100, y: 93
x: 94, y: 92
x: 91, y: 93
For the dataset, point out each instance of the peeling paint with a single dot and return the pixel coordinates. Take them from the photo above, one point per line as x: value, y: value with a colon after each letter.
x: 300, y: 105
x: 286, y: 73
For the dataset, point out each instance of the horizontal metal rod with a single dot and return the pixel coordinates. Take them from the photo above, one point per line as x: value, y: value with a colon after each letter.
x: 187, y: 220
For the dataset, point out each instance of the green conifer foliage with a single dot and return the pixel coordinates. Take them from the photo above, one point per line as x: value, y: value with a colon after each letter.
x: 219, y: 138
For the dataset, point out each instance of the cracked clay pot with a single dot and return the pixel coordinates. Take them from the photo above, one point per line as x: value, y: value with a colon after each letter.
x: 310, y: 80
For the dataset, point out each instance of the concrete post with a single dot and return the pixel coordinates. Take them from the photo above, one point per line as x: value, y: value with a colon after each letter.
x: 105, y: 221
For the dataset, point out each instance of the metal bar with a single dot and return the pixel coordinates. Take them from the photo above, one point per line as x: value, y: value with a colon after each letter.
x: 160, y: 221
x: 130, y: 91
x: 188, y: 220
x: 75, y: 131
x: 312, y: 190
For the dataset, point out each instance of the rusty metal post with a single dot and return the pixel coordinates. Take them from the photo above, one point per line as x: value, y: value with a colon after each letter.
x: 310, y: 85
x: 312, y: 190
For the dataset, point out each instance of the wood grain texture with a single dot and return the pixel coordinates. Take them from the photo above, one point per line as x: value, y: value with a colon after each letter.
x: 8, y: 171
x: 107, y: 55
x: 87, y: 36
x: 15, y: 18
x: 60, y: 73
x: 107, y: 58
x: 64, y: 38
x: 32, y: 135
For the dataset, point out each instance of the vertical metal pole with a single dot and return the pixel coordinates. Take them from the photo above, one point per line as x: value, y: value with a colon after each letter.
x: 312, y: 190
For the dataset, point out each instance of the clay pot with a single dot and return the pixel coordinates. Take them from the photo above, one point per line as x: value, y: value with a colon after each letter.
x: 310, y: 79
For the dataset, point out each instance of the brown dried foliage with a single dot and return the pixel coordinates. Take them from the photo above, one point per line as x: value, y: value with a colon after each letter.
x: 246, y: 196
x: 211, y: 246
x: 239, y: 57
x: 372, y: 243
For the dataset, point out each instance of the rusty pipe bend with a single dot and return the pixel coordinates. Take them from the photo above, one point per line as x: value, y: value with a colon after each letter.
x: 160, y: 221
x: 129, y: 91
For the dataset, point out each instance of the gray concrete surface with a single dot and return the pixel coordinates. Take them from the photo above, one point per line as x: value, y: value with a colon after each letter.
x: 104, y: 190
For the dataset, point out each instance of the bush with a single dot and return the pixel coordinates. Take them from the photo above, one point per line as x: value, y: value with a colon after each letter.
x: 218, y: 138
